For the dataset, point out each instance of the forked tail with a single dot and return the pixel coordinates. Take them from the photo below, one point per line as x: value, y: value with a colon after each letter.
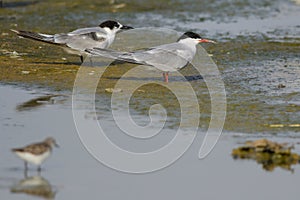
x: 35, y: 36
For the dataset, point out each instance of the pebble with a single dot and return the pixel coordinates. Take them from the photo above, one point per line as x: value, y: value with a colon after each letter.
x: 25, y: 72
x: 113, y: 90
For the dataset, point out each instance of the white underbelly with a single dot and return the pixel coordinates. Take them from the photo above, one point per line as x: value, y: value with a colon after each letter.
x: 34, y: 159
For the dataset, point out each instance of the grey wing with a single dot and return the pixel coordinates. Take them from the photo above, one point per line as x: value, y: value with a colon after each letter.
x: 87, y: 30
x: 82, y: 42
x: 169, y: 57
x: 82, y: 39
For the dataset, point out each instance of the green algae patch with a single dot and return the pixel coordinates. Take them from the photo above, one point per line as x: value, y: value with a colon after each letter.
x: 31, y: 63
x: 268, y: 154
x: 57, y: 76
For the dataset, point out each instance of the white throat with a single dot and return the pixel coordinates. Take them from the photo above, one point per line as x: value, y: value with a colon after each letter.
x: 190, y: 43
x: 110, y: 36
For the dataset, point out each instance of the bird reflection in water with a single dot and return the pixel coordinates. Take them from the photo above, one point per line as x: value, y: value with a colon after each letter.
x: 36, y: 186
x: 40, y: 101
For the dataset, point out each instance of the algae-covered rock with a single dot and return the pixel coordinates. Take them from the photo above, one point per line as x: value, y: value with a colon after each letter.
x: 269, y: 154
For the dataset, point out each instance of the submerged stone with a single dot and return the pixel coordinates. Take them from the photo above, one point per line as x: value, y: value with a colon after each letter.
x: 269, y: 154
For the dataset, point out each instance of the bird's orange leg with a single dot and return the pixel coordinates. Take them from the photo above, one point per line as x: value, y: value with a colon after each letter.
x: 166, y: 76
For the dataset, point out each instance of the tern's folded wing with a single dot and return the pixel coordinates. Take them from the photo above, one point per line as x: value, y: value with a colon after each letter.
x: 87, y: 30
x: 164, y: 57
x: 82, y: 41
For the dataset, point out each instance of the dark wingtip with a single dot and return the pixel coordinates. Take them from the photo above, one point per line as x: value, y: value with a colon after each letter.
x: 88, y: 50
x: 92, y: 51
x: 17, y: 150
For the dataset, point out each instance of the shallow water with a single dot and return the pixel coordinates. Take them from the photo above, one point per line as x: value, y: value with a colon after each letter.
x: 72, y: 173
x: 257, y: 53
x: 258, y: 59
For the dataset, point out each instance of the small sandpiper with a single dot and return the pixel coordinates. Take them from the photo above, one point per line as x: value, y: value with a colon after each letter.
x: 36, y: 153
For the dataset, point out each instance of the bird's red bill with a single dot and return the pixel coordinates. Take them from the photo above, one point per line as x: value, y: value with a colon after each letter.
x: 206, y: 40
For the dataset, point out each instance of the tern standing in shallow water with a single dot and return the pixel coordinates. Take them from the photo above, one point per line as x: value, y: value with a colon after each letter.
x: 77, y: 41
x: 36, y: 153
x: 167, y: 57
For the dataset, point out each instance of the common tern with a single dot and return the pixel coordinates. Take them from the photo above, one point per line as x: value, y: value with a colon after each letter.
x: 77, y: 41
x: 167, y: 58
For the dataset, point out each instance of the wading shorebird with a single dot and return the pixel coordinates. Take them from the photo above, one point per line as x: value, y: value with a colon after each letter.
x: 36, y: 153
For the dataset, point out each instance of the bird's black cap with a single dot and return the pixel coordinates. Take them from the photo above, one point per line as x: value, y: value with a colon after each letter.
x: 190, y: 34
x: 110, y: 24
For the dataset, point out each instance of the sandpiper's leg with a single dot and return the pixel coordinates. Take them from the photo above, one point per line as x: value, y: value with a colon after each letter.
x: 25, y: 169
x: 166, y: 76
x: 25, y: 166
x: 25, y: 173
x: 39, y: 172
x: 39, y: 169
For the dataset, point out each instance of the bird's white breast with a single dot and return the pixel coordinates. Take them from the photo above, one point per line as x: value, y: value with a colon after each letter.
x: 34, y: 159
